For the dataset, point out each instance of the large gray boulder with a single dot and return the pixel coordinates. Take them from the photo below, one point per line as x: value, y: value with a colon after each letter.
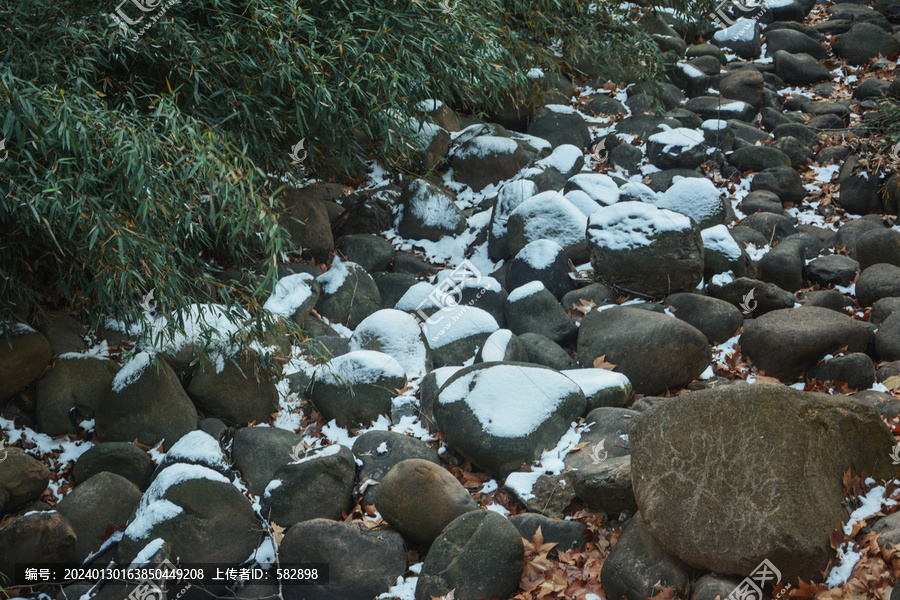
x: 655, y: 351
x: 501, y: 415
x: 785, y: 342
x: 145, y: 402
x: 73, y: 381
x: 645, y: 249
x: 780, y: 497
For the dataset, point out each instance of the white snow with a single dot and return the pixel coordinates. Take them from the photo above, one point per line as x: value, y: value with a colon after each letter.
x: 483, y: 145
x: 495, y: 346
x: 131, y: 371
x: 382, y: 448
x: 198, y: 446
x: 601, y: 188
x: 592, y: 380
x: 143, y: 557
x: 560, y: 108
x: 563, y: 158
x: 696, y: 197
x: 719, y: 239
x: 397, y: 334
x: 323, y: 453
x: 722, y: 278
x: 271, y: 487
x: 640, y: 192
x: 680, y: 137
x: 359, y: 367
x: 149, y: 515
x: 549, y: 215
x: 539, y: 254
x: 629, y: 225
x: 332, y: 279
x: 841, y: 572
x: 550, y: 463
x: 743, y: 30
x: 523, y: 291
x: 510, y: 401
x: 431, y: 206
x: 456, y: 323
x: 714, y: 124
x: 430, y: 105
x: 290, y: 294
x: 583, y: 202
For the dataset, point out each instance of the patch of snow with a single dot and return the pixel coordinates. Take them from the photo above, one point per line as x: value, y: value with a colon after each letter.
x: 495, y: 346
x: 455, y: 323
x: 719, y: 239
x: 583, y: 202
x: 540, y: 254
x: 484, y: 145
x: 680, y: 137
x: 722, y: 278
x: 198, y: 446
x: 510, y: 401
x: 599, y: 187
x: 563, y: 158
x: 592, y: 380
x: 523, y: 291
x: 143, y: 557
x: 696, y: 197
x: 131, y: 371
x: 359, y: 367
x: 290, y: 293
x: 395, y: 333
x: 743, y: 30
x: 629, y: 225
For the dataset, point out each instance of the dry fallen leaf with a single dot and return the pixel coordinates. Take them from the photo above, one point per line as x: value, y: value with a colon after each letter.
x: 600, y: 363
x: 277, y: 532
x: 892, y: 383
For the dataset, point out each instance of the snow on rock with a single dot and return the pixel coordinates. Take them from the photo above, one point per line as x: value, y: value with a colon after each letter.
x: 743, y: 30
x: 592, y: 381
x: 563, y: 158
x: 332, y: 279
x: 422, y: 295
x: 143, y: 557
x: 433, y: 208
x: 583, y: 202
x: 198, y: 447
x: 631, y: 225
x: 523, y: 291
x: 539, y: 254
x: 131, y: 371
x: 290, y: 294
x: 719, y: 239
x: 549, y: 215
x: 510, y: 401
x: 154, y: 509
x: 359, y: 367
x: 213, y: 326
x: 456, y: 323
x: 396, y: 334
x: 601, y: 188
x: 680, y: 137
x: 696, y: 197
x: 636, y: 191
x: 550, y: 463
x: 485, y: 145
x: 494, y: 349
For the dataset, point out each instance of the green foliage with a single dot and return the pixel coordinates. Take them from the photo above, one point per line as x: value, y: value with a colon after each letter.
x: 144, y: 163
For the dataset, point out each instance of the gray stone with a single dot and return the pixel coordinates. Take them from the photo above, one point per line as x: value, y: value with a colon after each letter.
x: 73, y: 381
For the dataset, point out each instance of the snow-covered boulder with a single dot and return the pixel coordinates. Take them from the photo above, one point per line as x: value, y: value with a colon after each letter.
x: 397, y: 334
x: 645, y: 249
x: 677, y: 148
x: 511, y: 196
x: 501, y: 415
x: 697, y: 198
x: 600, y: 188
x: 544, y: 261
x: 348, y: 293
x: 198, y: 512
x: 357, y: 387
x: 601, y: 387
x: 294, y: 296
x: 456, y: 333
x: 487, y: 159
x: 428, y: 212
x: 145, y: 402
x: 722, y: 254
x: 550, y: 216
x: 742, y: 38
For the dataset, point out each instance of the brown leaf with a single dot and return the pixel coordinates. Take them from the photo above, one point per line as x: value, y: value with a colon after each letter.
x: 600, y: 363
x: 277, y: 532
